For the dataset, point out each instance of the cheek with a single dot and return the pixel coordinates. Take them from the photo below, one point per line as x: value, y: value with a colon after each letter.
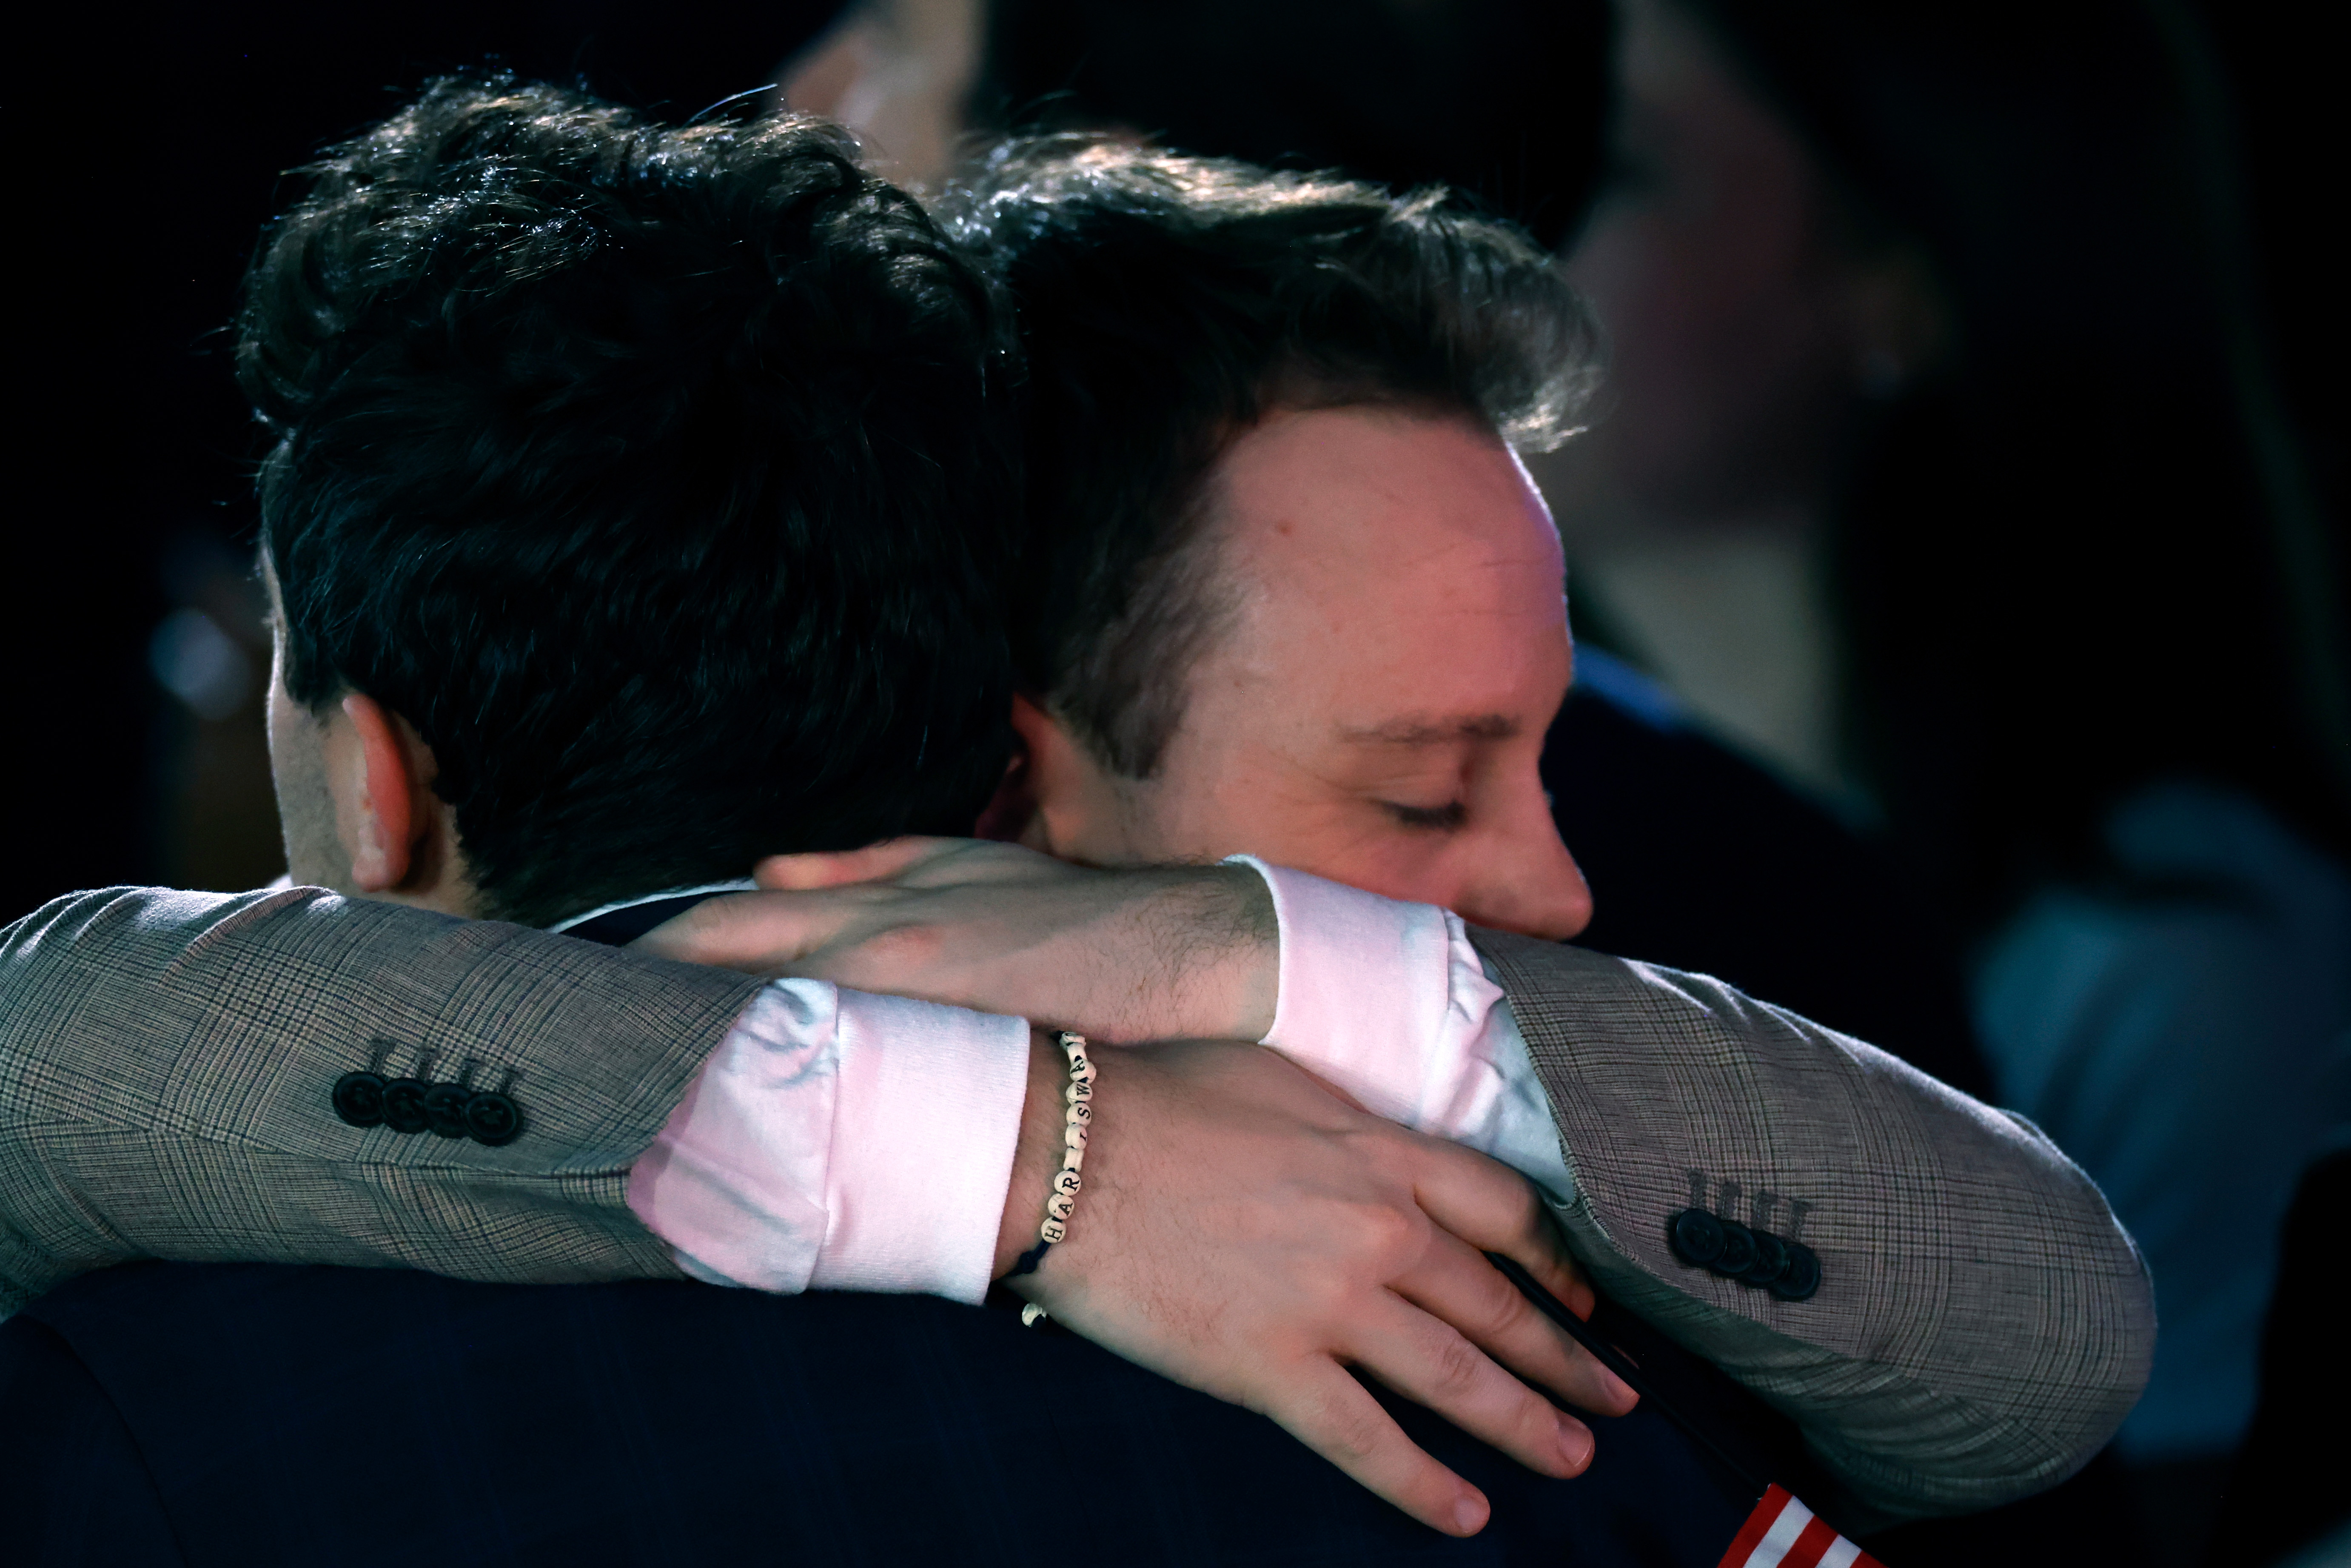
x: 1268, y: 811
x: 1413, y: 865
x: 1247, y: 801
x: 1348, y: 841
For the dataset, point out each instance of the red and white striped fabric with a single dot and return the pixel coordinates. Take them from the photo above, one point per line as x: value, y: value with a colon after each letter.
x: 1783, y: 1534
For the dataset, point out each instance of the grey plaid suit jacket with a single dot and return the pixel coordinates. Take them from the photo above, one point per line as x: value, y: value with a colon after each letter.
x: 166, y: 1058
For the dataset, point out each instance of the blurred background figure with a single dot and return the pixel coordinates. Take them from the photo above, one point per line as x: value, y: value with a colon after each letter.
x: 1964, y: 516
x: 1950, y: 469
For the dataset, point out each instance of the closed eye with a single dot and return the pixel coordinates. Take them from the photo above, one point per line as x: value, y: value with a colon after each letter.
x: 1440, y: 819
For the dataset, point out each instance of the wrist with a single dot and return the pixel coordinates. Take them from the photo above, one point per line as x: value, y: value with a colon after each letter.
x: 1229, y: 980
x: 1036, y: 1156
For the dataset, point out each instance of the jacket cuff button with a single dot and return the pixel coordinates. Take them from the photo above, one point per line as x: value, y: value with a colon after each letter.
x: 445, y: 1110
x: 1696, y: 1237
x: 492, y: 1119
x: 1802, y: 1277
x: 1771, y: 1261
x: 404, y: 1105
x: 358, y: 1099
x: 1738, y: 1251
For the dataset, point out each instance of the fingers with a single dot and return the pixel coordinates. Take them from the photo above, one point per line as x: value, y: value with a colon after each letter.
x: 1454, y: 1284
x: 891, y: 857
x: 1495, y: 1210
x: 758, y: 933
x: 1337, y: 1417
x: 1430, y: 1363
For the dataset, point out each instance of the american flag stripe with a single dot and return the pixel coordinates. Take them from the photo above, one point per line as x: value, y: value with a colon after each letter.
x: 1783, y: 1534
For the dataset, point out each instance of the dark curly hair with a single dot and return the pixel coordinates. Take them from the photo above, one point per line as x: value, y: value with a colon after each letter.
x: 1166, y: 303
x: 654, y: 475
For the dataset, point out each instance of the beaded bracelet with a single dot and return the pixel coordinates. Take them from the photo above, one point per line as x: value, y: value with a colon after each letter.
x: 1063, y: 1199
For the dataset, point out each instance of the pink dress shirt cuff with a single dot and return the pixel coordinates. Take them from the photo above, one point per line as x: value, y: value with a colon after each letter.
x: 842, y: 1141
x: 1385, y: 1000
x: 1390, y: 1002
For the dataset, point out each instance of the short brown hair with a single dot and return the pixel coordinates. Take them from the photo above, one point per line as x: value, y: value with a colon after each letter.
x: 1167, y: 304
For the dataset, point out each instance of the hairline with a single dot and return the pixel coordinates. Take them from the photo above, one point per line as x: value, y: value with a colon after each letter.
x: 1195, y: 562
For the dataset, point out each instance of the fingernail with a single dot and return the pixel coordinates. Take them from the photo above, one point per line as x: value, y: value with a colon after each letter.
x: 1574, y: 1443
x: 1469, y: 1513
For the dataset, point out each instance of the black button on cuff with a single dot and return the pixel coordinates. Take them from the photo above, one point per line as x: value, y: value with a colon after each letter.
x: 404, y: 1105
x: 1758, y: 1258
x: 1738, y: 1251
x: 1771, y: 1261
x: 358, y: 1099
x: 1696, y: 1237
x: 444, y: 1109
x: 492, y: 1119
x: 1802, y: 1277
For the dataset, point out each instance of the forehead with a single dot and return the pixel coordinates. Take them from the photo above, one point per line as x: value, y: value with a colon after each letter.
x: 1356, y: 507
x: 1387, y: 561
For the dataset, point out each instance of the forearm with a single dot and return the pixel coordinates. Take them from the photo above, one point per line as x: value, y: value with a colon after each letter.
x: 1173, y: 953
x: 1982, y: 1323
x: 106, y: 1197
x: 167, y: 1065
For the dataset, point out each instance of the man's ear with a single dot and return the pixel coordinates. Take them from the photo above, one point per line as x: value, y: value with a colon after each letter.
x: 1055, y: 796
x: 380, y: 772
x: 1011, y: 812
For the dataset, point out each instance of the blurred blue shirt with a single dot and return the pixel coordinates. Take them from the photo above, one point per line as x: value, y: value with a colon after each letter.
x: 2185, y: 1034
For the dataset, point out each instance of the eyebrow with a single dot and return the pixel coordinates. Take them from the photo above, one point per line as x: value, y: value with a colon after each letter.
x: 1420, y: 731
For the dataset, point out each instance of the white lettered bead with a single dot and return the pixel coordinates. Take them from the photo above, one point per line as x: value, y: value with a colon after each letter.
x: 1052, y: 1231
x: 1060, y: 1206
x: 1074, y: 1136
x: 1067, y: 1181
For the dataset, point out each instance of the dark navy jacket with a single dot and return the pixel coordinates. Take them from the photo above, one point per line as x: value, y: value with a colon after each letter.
x: 255, y: 1414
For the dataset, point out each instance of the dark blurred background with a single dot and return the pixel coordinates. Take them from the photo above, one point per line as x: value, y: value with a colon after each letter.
x: 1974, y: 466
x: 152, y: 139
x: 152, y: 142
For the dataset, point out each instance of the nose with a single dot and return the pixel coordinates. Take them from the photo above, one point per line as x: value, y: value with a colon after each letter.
x: 1520, y: 877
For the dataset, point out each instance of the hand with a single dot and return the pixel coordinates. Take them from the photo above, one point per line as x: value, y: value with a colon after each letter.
x: 1179, y: 952
x: 1246, y: 1231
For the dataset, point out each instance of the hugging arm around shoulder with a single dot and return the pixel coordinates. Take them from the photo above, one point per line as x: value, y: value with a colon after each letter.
x: 1981, y: 1323
x: 168, y: 1062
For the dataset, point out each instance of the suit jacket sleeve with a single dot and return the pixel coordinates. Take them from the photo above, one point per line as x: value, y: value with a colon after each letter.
x: 167, y: 1061
x: 1982, y: 1322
